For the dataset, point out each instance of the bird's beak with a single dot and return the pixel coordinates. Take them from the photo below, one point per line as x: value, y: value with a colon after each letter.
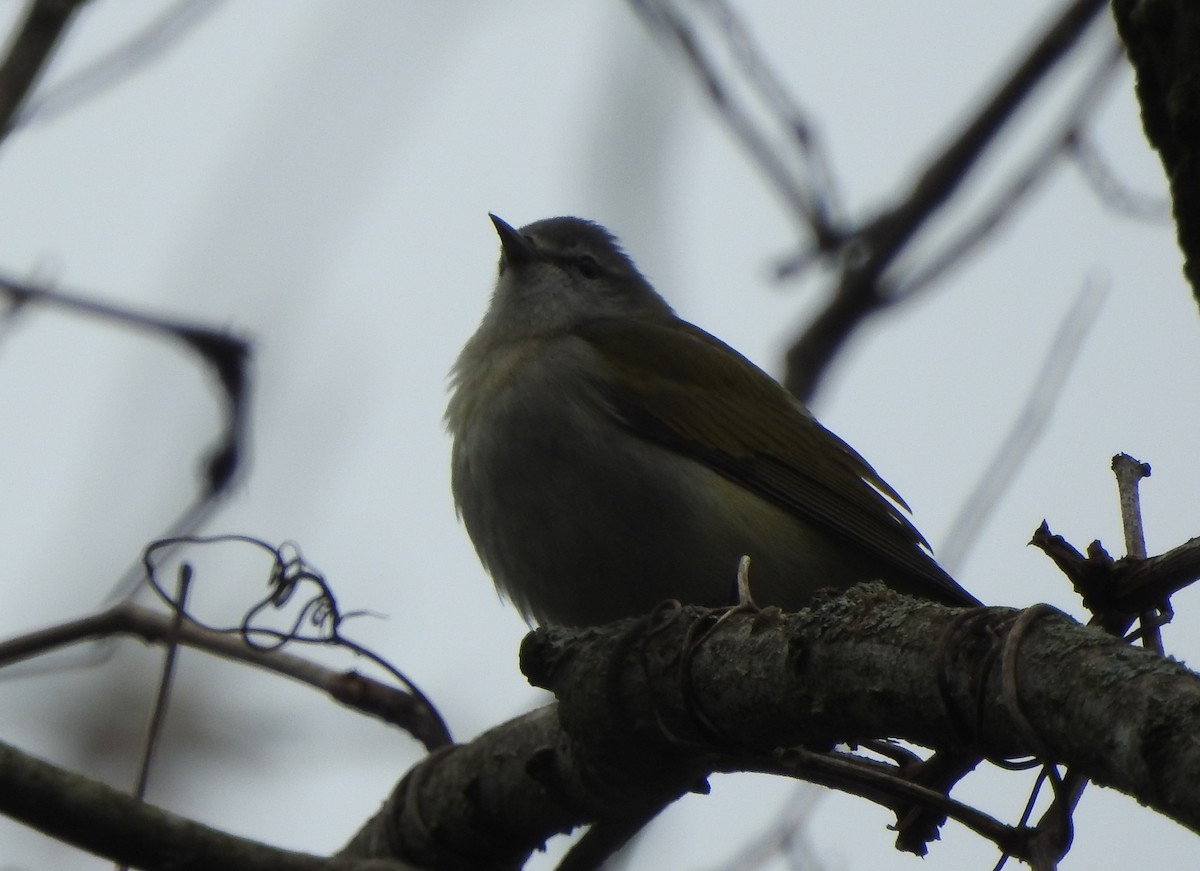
x: 516, y: 248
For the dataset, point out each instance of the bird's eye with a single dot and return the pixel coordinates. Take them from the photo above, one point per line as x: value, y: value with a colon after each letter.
x: 588, y: 266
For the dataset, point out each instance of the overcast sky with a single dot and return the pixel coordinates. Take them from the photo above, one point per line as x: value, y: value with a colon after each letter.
x: 315, y: 176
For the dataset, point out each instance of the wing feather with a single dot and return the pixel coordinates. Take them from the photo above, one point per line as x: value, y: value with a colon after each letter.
x: 745, y: 425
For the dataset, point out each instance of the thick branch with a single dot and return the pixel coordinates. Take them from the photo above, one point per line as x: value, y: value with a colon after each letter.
x: 490, y: 803
x: 873, y: 663
x: 647, y: 708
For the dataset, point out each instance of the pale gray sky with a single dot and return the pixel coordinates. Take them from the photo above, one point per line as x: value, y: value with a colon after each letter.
x: 316, y: 176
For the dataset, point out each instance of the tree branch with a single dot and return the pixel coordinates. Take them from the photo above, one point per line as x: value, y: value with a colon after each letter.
x: 648, y: 708
x: 873, y: 248
x: 1161, y: 37
x: 359, y: 692
x: 107, y: 822
x: 29, y: 53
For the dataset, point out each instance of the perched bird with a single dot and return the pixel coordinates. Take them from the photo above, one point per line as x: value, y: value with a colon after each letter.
x: 609, y: 455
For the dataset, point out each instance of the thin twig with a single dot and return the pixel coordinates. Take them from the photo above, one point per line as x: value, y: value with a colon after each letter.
x: 1111, y: 191
x: 947, y: 172
x: 868, y: 253
x: 1051, y: 377
x: 318, y: 619
x: 877, y: 782
x: 357, y: 692
x: 95, y: 817
x: 1062, y: 142
x: 162, y: 699
x: 228, y: 358
x: 140, y: 49
x: 1129, y: 473
x: 744, y: 90
x: 226, y: 355
x: 1159, y: 577
x: 25, y: 292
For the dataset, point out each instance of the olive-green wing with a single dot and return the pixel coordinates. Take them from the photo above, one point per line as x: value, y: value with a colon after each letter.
x: 674, y: 384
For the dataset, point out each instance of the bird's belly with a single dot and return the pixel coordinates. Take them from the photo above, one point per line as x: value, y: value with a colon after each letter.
x: 578, y: 529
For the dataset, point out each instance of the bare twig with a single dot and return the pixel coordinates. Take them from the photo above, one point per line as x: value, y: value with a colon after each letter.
x: 351, y: 689
x: 102, y: 820
x: 1051, y: 837
x: 318, y: 619
x: 873, y: 249
x: 1114, y: 590
x: 1052, y: 375
x: 162, y: 698
x: 23, y: 292
x: 1159, y: 577
x: 29, y: 52
x: 1098, y: 573
x: 227, y: 357
x: 946, y: 173
x: 1111, y: 191
x: 749, y: 97
x: 161, y: 702
x: 1061, y: 142
x: 880, y: 783
x: 1129, y: 473
x: 140, y: 49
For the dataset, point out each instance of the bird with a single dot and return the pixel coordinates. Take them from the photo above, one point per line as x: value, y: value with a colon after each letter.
x: 608, y: 455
